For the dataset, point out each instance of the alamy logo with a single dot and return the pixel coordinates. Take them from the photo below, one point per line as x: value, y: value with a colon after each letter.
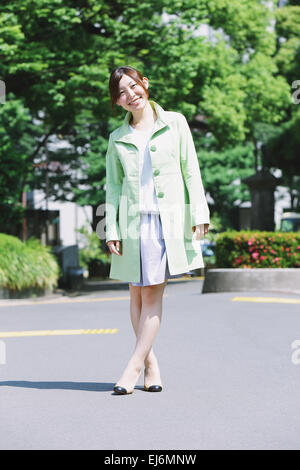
x: 296, y: 354
x: 296, y: 94
x: 2, y: 92
x: 2, y: 353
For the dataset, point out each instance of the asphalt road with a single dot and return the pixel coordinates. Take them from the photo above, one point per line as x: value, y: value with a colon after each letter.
x: 231, y: 379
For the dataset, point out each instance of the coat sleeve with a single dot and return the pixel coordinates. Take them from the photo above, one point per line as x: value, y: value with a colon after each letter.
x: 192, y: 175
x: 114, y: 179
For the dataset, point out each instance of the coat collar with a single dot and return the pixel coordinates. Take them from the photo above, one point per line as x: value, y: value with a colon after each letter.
x: 163, y: 119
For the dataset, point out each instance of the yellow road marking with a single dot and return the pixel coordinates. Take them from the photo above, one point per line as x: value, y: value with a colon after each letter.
x: 64, y: 300
x: 16, y: 334
x: 282, y: 300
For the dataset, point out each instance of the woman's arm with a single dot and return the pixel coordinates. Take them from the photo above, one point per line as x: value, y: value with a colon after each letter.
x: 114, y: 179
x: 192, y: 176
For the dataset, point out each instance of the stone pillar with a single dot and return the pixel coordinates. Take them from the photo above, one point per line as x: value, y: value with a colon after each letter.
x: 262, y: 186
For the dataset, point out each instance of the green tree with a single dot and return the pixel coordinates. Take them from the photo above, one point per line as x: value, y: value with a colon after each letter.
x: 282, y: 148
x: 57, y: 57
x: 18, y: 139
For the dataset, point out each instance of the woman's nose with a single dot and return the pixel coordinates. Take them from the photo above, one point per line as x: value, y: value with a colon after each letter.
x: 131, y: 94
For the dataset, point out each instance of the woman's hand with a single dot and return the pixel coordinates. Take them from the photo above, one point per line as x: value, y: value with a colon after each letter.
x: 115, y: 247
x: 201, y: 230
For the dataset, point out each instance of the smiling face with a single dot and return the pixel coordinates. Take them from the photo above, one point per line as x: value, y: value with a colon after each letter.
x: 132, y: 96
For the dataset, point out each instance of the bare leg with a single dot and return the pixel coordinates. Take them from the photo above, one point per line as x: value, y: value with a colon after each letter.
x: 148, y: 326
x: 152, y: 372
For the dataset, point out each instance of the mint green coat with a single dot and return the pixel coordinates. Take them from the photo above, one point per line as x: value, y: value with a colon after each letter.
x: 179, y: 190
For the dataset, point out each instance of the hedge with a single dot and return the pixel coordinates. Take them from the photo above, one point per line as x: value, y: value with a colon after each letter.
x: 255, y: 249
x: 26, y: 264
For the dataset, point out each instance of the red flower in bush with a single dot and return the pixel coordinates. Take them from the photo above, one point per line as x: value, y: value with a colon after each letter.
x: 263, y: 251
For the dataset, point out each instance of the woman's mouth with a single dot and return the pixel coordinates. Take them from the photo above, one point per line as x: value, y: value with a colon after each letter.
x: 137, y: 100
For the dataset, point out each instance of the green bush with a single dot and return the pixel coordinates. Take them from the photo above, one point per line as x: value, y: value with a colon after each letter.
x: 90, y: 248
x: 255, y: 249
x: 26, y: 264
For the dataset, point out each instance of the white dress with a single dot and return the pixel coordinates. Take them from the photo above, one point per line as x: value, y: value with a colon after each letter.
x: 153, y: 254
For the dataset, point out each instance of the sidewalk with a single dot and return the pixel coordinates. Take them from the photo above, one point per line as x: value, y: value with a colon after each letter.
x: 89, y: 287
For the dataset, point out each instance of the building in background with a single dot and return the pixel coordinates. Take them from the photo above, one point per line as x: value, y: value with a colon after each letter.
x: 63, y: 219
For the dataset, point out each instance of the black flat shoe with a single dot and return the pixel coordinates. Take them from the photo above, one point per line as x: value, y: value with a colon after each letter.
x: 122, y: 390
x: 153, y: 388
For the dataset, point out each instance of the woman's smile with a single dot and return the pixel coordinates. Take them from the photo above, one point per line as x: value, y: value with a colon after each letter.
x: 135, y: 101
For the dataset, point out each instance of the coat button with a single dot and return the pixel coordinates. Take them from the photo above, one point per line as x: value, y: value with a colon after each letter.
x: 156, y: 172
x: 153, y: 148
x: 160, y: 194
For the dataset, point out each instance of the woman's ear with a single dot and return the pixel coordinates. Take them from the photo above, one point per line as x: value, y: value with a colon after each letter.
x: 146, y: 82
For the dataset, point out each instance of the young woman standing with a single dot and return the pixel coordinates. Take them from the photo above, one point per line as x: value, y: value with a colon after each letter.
x: 152, y: 178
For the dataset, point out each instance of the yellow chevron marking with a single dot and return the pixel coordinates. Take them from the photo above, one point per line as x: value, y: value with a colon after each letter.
x: 17, y: 334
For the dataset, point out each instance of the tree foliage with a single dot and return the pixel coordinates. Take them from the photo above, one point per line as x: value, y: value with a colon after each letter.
x: 282, y: 149
x: 209, y: 59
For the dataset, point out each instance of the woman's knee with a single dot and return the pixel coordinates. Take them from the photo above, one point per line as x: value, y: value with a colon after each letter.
x: 135, y: 293
x: 151, y: 294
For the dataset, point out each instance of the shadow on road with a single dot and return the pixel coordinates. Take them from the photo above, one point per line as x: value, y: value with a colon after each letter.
x: 88, y: 386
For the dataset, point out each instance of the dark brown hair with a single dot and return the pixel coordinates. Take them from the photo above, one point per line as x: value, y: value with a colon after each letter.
x: 115, y: 78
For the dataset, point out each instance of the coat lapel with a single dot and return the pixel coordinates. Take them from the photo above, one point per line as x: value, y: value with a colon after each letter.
x: 125, y: 134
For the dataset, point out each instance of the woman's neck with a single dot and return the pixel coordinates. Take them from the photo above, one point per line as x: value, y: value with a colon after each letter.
x: 143, y: 119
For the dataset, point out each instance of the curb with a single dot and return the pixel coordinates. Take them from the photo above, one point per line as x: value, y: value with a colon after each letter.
x: 285, y: 280
x: 90, y: 286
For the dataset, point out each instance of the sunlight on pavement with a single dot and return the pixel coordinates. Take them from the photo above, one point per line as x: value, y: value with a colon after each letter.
x: 281, y: 300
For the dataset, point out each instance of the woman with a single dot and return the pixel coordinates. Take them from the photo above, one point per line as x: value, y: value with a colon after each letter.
x: 156, y: 212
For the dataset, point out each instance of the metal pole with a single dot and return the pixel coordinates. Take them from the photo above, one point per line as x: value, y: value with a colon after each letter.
x: 24, y: 218
x: 47, y: 192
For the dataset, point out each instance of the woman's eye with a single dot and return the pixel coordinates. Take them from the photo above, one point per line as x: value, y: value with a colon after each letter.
x: 123, y: 91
